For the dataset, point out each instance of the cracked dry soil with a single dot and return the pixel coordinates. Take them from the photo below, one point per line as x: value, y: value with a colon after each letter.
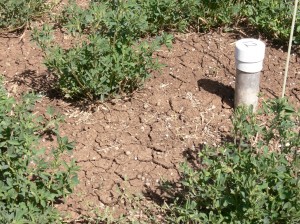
x: 129, y: 145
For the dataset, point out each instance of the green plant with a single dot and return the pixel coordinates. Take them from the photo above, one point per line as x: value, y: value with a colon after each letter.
x: 254, y: 180
x: 272, y: 17
x: 15, y: 14
x: 32, y: 178
x: 123, y: 21
x: 98, y: 69
x: 164, y: 15
x: 109, y: 58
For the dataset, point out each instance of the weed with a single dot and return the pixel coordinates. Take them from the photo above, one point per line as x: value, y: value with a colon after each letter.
x: 258, y: 14
x: 31, y: 178
x: 111, y: 59
x: 16, y: 14
x: 254, y: 180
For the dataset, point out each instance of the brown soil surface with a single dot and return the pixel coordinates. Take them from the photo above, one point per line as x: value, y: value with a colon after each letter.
x: 127, y: 146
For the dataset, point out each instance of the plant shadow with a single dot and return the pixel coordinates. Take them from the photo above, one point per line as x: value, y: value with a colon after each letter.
x: 225, y: 92
x: 168, y: 191
x: 45, y: 83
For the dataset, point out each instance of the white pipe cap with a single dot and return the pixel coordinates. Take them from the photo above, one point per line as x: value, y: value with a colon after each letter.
x: 249, y: 55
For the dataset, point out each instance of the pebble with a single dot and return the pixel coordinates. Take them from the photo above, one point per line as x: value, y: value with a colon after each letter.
x: 127, y: 153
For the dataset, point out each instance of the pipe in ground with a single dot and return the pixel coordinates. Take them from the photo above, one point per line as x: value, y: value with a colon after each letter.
x: 249, y: 56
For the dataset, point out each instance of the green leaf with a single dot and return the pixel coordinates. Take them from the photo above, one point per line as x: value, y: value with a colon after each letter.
x: 14, y: 142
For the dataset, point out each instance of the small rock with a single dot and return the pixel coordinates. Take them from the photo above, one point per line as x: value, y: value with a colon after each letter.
x: 127, y: 153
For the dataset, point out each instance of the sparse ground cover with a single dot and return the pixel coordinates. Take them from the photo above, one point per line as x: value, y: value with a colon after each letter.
x: 128, y: 144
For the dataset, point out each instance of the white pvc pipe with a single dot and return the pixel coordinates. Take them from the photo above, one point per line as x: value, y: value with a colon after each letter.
x: 249, y: 56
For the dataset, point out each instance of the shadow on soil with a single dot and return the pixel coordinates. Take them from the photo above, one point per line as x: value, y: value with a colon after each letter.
x: 168, y: 191
x: 225, y: 92
x: 40, y: 83
x: 44, y: 83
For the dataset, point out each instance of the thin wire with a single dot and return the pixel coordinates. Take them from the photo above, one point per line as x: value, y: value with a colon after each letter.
x: 289, y: 49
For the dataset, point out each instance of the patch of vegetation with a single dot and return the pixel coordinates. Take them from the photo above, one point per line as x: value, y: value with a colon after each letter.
x: 254, y: 179
x: 112, y: 51
x: 272, y: 18
x: 109, y: 56
x: 32, y: 178
x: 15, y: 14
